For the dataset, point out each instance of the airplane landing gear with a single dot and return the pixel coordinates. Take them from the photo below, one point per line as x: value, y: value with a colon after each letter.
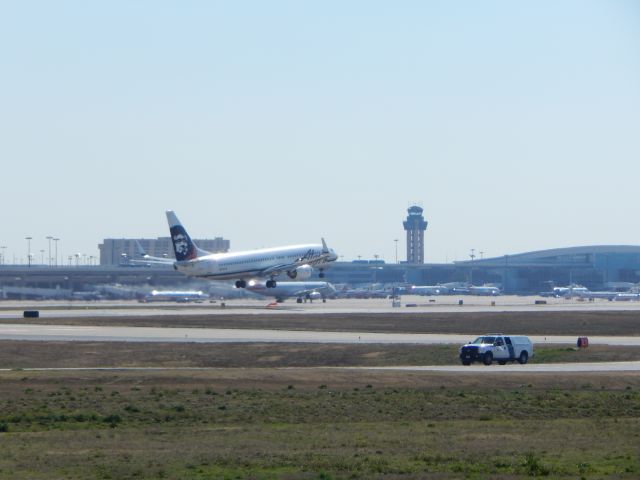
x: 241, y: 284
x: 271, y: 284
x: 321, y: 274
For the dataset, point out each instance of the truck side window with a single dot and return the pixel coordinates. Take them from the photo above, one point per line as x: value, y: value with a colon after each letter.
x: 507, y: 340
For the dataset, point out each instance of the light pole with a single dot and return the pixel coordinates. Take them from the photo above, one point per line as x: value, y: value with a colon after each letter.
x: 28, y: 239
x: 396, y: 240
x: 49, y: 238
x: 472, y: 255
x: 42, y: 256
x: 3, y: 254
x: 56, y: 242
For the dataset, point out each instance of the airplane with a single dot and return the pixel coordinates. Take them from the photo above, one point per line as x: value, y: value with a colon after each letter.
x: 301, y: 290
x: 297, y: 261
x: 174, y: 296
x: 569, y: 291
x: 626, y: 297
x: 428, y: 290
x: 484, y: 290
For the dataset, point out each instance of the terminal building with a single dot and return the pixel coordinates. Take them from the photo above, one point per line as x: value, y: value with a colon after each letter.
x: 595, y: 267
x: 599, y: 267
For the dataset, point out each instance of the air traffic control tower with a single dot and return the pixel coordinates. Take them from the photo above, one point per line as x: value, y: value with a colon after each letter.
x: 415, y: 225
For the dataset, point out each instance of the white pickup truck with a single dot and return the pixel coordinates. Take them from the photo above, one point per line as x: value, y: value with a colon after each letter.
x: 499, y: 347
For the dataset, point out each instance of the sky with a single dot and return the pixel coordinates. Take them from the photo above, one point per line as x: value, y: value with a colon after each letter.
x: 515, y: 125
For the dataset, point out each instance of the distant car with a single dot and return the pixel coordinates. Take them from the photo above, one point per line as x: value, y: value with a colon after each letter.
x: 499, y: 347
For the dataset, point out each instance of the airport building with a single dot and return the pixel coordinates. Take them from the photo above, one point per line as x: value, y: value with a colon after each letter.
x: 595, y: 267
x: 117, y: 251
x: 600, y: 267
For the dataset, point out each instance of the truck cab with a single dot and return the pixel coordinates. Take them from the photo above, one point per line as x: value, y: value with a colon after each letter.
x: 499, y: 347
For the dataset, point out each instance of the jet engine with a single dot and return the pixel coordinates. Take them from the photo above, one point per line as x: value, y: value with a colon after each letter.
x: 301, y: 273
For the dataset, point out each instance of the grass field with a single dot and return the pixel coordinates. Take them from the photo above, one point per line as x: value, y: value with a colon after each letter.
x: 316, y: 424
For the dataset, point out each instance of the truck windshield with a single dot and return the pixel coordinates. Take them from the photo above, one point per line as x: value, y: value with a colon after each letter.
x: 484, y: 340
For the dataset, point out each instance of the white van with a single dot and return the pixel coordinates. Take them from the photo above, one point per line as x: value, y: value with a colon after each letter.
x: 499, y: 347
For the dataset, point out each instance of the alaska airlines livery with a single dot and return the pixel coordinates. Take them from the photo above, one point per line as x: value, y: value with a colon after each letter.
x: 297, y: 261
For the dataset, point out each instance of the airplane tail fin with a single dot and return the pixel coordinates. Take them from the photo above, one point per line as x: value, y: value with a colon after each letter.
x: 183, y: 246
x: 140, y: 250
x: 325, y: 249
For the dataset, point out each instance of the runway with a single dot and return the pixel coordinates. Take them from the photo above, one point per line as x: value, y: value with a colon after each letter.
x: 409, y: 304
x: 516, y: 368
x: 228, y: 335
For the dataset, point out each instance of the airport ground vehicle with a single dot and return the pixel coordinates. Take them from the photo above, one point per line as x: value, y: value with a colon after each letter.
x: 499, y: 347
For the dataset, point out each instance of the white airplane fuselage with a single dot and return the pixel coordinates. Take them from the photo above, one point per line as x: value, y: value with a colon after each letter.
x: 289, y: 289
x: 175, y: 296
x: 252, y: 263
x: 428, y: 290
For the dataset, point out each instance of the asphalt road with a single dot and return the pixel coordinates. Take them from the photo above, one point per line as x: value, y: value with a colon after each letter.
x: 472, y: 369
x: 409, y: 304
x: 219, y: 335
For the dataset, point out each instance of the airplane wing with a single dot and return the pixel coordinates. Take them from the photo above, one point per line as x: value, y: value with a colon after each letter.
x: 152, y: 260
x: 301, y: 291
x: 310, y: 258
x: 278, y: 269
x: 149, y: 259
x: 305, y: 290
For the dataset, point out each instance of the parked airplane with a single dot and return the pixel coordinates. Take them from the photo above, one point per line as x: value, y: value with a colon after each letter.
x: 428, y: 290
x: 570, y: 291
x: 484, y: 290
x: 626, y: 297
x: 301, y: 290
x: 174, y: 296
x: 297, y: 261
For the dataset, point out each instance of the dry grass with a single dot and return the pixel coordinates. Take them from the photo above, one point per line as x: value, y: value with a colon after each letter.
x: 35, y: 354
x: 472, y: 323
x: 316, y: 423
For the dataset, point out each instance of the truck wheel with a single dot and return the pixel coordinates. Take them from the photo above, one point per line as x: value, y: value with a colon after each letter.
x: 488, y: 358
x: 523, y: 358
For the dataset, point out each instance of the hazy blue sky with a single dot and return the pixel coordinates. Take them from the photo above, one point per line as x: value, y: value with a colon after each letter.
x: 516, y: 125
